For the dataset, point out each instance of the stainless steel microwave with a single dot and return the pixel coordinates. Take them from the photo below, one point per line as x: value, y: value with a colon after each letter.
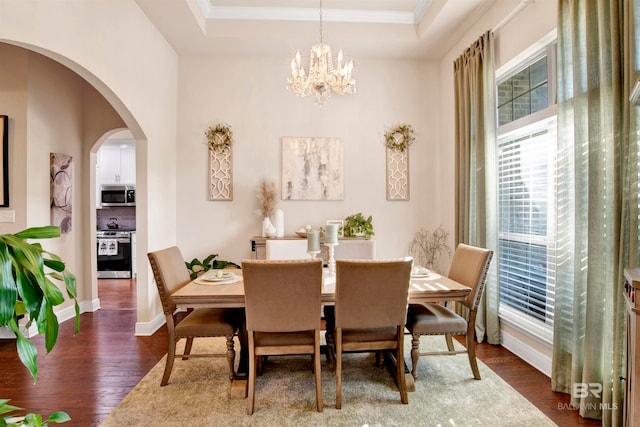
x: 117, y: 195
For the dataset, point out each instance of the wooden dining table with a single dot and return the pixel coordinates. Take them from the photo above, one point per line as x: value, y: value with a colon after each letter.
x: 199, y: 293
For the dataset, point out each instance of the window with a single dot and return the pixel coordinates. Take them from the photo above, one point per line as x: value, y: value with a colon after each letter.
x: 526, y: 219
x: 523, y: 93
x: 526, y: 190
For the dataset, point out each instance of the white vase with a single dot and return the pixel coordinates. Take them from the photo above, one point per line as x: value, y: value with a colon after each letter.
x: 278, y: 222
x: 266, y: 222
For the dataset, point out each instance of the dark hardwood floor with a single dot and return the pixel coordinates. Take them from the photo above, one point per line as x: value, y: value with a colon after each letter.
x: 88, y: 374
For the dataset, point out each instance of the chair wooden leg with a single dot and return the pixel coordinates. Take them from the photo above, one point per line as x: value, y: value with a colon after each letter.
x: 187, y: 348
x: 253, y: 361
x: 330, y: 323
x: 415, y: 353
x: 338, y: 341
x: 379, y: 358
x: 402, y: 383
x: 471, y: 352
x: 318, y: 374
x: 231, y: 356
x: 449, y: 339
x: 260, y: 365
x: 171, y: 355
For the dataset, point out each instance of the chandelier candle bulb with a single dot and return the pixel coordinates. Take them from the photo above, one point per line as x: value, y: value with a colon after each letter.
x: 313, y: 241
x: 332, y: 233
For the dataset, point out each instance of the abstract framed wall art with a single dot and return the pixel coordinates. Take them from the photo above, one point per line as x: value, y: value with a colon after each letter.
x: 61, y: 190
x: 312, y: 168
x: 4, y: 161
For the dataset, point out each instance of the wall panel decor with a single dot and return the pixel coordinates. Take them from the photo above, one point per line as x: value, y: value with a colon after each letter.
x: 397, y: 174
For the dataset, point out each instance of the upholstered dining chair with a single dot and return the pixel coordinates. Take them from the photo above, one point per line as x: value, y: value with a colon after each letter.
x: 370, y: 312
x: 170, y: 273
x: 282, y: 305
x: 347, y: 249
x: 469, y: 267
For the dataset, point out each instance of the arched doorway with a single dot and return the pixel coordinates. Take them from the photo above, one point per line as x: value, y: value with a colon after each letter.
x: 116, y: 221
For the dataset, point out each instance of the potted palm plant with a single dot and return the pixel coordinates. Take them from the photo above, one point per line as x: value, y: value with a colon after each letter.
x: 27, y: 288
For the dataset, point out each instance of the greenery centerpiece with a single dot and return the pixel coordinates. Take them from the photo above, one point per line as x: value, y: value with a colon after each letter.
x: 357, y: 225
x: 219, y: 137
x: 197, y: 267
x: 427, y: 247
x: 27, y: 288
x: 400, y: 137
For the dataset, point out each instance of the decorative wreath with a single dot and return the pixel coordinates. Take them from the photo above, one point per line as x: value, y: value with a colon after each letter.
x: 399, y: 138
x: 219, y: 137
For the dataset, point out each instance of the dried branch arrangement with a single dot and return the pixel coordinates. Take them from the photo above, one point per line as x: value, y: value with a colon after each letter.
x: 267, y: 189
x: 426, y: 247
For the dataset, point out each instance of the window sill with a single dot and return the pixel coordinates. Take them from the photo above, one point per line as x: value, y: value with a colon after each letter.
x: 532, y: 328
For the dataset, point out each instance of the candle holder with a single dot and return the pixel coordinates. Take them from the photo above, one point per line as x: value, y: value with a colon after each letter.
x: 313, y: 254
x: 332, y: 260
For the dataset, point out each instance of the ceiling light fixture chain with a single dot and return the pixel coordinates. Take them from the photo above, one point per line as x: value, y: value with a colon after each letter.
x: 323, y: 77
x: 321, y: 41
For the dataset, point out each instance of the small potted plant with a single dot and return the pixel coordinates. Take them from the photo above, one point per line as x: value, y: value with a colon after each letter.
x: 357, y: 225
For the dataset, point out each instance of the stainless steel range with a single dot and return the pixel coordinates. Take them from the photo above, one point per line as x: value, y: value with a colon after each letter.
x: 114, y: 254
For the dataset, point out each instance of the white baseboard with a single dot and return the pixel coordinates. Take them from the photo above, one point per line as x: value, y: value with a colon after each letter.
x: 6, y: 333
x: 145, y: 329
x: 62, y: 315
x: 528, y: 350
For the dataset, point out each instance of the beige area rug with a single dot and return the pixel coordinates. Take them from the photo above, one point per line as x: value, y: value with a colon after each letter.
x: 446, y: 395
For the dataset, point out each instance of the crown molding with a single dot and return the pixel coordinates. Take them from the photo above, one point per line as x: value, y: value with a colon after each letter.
x: 311, y: 14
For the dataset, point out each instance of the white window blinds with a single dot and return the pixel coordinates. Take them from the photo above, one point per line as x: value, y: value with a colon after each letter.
x: 526, y: 223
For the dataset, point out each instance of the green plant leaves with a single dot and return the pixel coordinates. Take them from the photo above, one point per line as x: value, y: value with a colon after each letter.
x: 8, y: 290
x: 26, y: 288
x: 197, y: 267
x: 27, y: 351
x: 28, y: 420
x: 356, y: 225
x: 46, y: 232
x: 58, y: 417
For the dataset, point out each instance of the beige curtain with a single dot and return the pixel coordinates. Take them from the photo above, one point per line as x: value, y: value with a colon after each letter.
x: 475, y: 121
x: 597, y: 200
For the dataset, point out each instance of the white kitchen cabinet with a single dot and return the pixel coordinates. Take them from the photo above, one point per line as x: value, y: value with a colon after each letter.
x: 117, y: 164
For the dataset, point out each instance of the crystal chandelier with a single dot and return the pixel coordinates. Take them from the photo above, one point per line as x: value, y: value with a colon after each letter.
x: 322, y: 77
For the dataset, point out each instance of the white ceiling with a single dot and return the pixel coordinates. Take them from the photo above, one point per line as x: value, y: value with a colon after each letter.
x: 415, y: 29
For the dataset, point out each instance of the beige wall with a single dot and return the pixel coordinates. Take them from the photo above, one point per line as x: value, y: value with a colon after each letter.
x: 58, y: 104
x: 13, y: 99
x: 168, y: 103
x: 250, y: 94
x: 135, y: 70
